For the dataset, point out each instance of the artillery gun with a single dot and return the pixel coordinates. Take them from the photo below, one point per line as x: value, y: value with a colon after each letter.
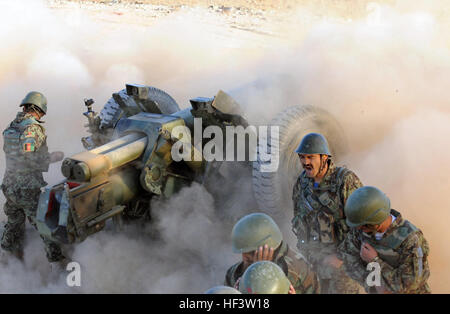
x: 130, y: 159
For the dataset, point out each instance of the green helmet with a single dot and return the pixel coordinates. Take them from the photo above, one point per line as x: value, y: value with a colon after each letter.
x: 264, y: 277
x: 222, y: 290
x: 313, y: 143
x: 253, y: 231
x: 36, y: 99
x: 367, y: 206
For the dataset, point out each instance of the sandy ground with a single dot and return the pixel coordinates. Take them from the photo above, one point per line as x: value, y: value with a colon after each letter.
x: 229, y: 5
x: 260, y: 17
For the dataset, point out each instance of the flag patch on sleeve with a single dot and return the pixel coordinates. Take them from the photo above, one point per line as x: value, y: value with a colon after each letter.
x: 28, y: 147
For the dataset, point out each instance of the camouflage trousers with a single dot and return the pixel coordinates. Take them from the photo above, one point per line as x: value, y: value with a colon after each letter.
x: 21, y: 204
x: 332, y: 281
x: 339, y: 283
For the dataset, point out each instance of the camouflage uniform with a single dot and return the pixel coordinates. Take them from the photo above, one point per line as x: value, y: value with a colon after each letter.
x: 27, y: 157
x: 296, y: 269
x: 319, y: 223
x: 402, y: 255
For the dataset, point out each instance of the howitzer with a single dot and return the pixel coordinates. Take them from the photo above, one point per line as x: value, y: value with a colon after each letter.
x: 120, y: 177
x: 129, y: 160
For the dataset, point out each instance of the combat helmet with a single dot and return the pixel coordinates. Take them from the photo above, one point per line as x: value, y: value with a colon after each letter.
x: 313, y: 143
x: 222, y: 290
x: 36, y: 99
x: 253, y: 231
x: 367, y: 206
x: 264, y: 277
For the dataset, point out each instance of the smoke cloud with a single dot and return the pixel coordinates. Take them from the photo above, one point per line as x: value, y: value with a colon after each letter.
x: 382, y: 74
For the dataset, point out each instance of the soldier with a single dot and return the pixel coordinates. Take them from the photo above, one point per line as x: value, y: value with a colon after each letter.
x: 265, y: 277
x: 319, y: 196
x: 27, y: 157
x: 380, y: 234
x: 257, y: 237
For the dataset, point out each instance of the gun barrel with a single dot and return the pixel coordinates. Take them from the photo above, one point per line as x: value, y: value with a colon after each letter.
x: 126, y: 153
x: 84, y: 166
x: 124, y: 140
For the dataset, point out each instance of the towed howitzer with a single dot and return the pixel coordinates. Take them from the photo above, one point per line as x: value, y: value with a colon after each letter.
x: 120, y: 177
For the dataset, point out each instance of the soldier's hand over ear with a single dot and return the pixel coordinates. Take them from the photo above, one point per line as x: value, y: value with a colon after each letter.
x: 263, y: 254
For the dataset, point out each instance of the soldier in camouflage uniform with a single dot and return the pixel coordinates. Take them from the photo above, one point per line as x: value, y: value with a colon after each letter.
x: 380, y: 234
x: 319, y: 196
x: 27, y: 157
x: 257, y: 237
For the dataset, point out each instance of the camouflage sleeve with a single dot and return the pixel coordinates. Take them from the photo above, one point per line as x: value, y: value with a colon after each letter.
x: 230, y: 279
x: 302, y: 277
x: 350, y: 183
x: 35, y: 135
x: 348, y: 252
x: 296, y: 195
x: 34, y: 146
x: 413, y: 271
x: 297, y: 223
x: 227, y: 281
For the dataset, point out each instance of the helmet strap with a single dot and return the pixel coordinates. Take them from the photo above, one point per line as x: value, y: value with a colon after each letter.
x: 37, y: 111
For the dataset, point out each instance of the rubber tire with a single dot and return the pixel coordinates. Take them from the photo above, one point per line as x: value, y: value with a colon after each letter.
x: 273, y: 190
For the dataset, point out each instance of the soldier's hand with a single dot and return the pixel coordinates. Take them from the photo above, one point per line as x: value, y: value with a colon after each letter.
x: 291, y: 290
x: 56, y: 156
x: 367, y: 252
x: 263, y: 254
x: 332, y: 261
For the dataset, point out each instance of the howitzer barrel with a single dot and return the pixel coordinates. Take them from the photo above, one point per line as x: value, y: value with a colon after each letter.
x: 84, y: 166
x: 124, y: 140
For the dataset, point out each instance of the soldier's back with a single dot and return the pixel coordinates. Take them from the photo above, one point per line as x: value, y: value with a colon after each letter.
x: 26, y: 153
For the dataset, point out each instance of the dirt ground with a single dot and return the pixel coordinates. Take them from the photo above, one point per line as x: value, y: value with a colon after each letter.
x: 247, y: 14
x: 241, y: 4
x: 243, y: 20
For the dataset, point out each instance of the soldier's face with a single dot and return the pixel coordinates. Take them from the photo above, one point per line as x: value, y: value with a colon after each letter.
x: 311, y: 164
x: 369, y: 230
x: 247, y: 258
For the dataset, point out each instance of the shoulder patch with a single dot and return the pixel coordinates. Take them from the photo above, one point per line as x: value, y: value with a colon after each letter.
x: 30, y: 134
x: 29, y: 145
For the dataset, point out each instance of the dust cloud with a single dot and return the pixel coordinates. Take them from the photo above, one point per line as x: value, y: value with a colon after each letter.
x: 383, y: 75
